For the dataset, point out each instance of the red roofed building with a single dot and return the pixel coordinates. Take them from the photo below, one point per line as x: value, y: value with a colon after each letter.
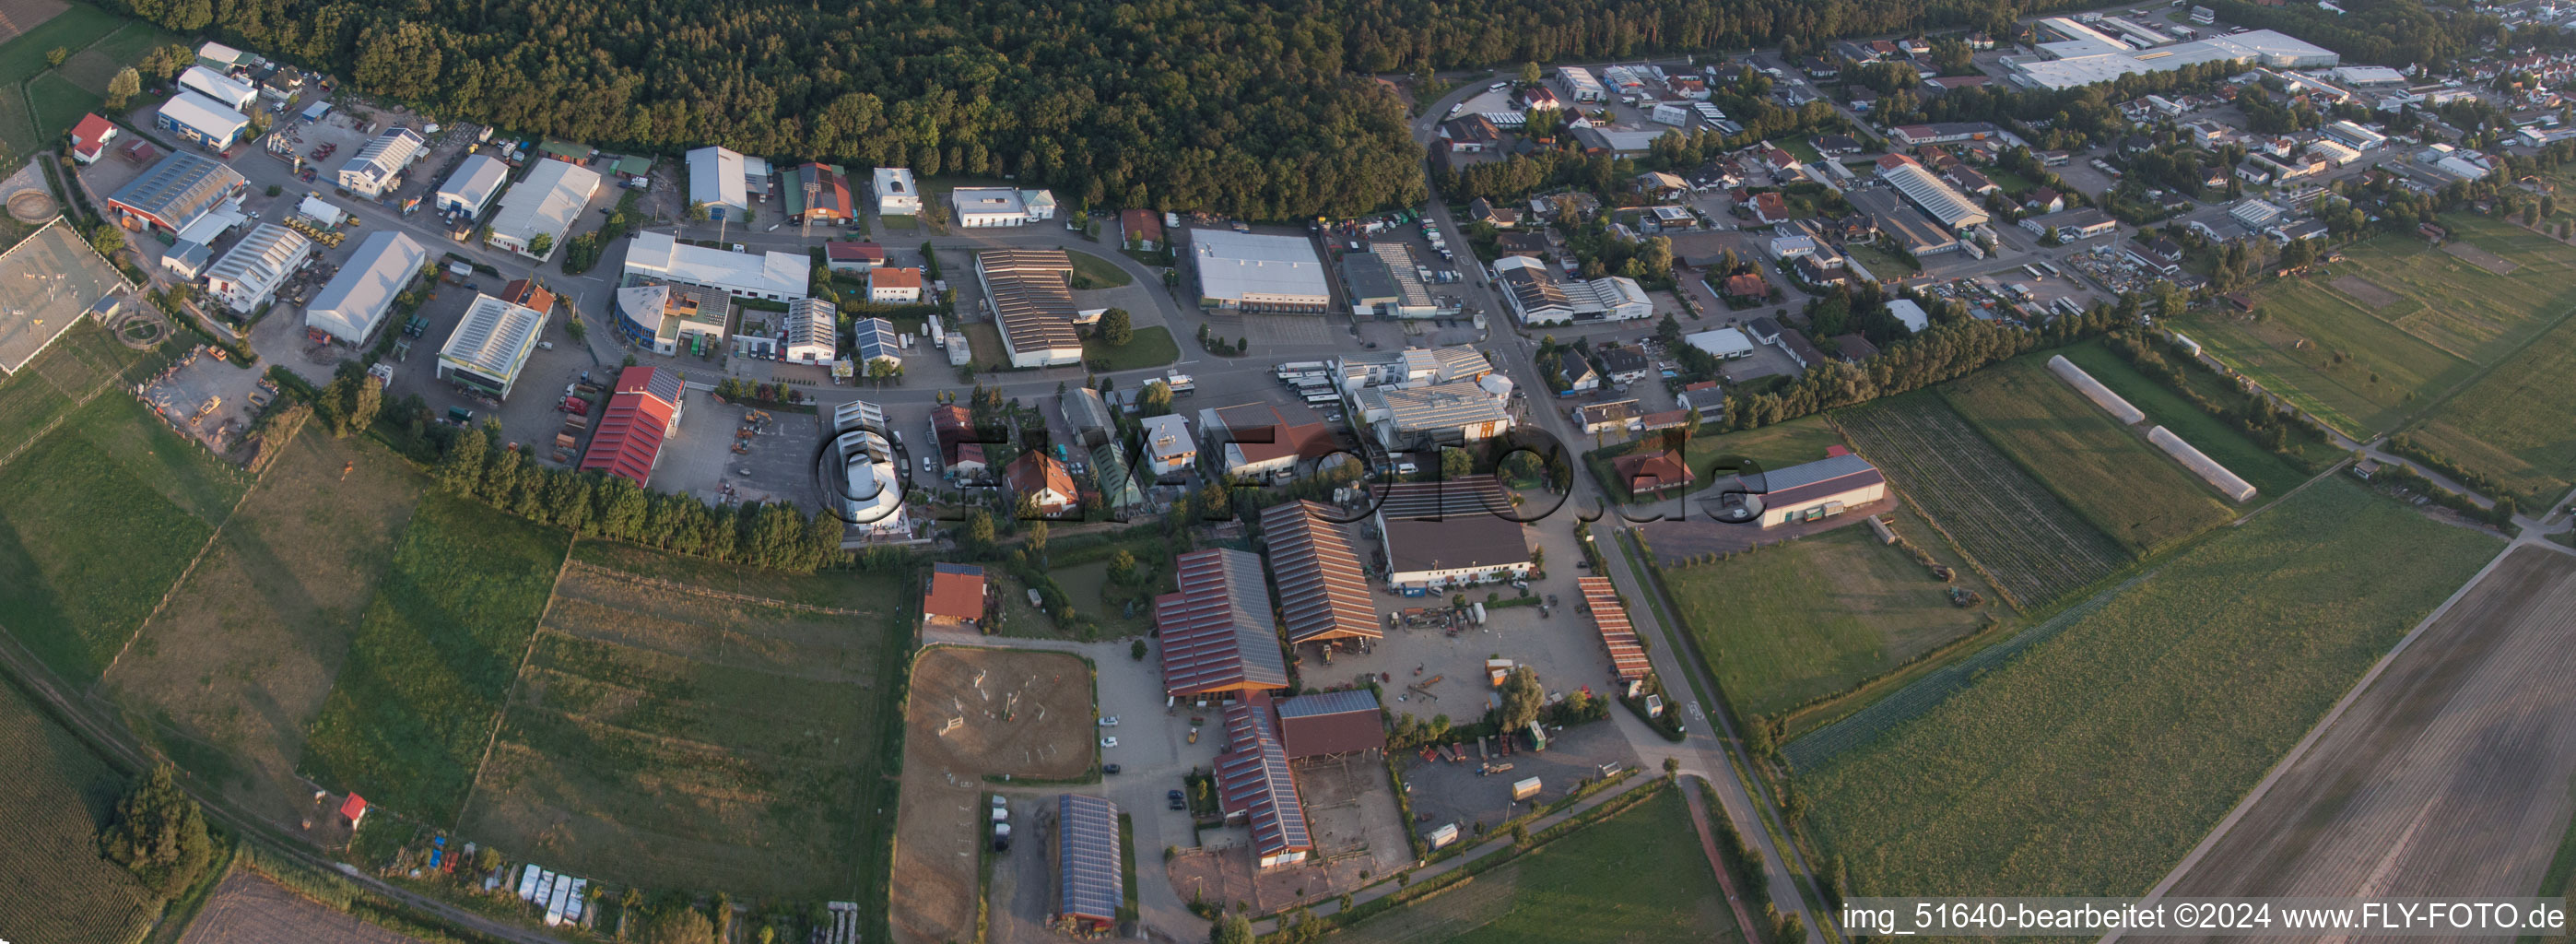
x: 1045, y: 480
x: 1140, y: 229
x: 1770, y: 208
x: 959, y: 451
x: 530, y: 294
x: 644, y: 410
x: 853, y: 257
x: 1747, y: 285
x: 1650, y: 473
x: 1256, y: 788
x: 355, y: 807
x: 1216, y: 630
x: 1888, y: 162
x: 955, y: 597
x: 1331, y: 724
x: 90, y: 137
x: 1323, y: 592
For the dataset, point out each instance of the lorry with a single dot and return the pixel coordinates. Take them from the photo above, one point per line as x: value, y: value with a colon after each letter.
x: 1181, y: 384
x: 1525, y: 788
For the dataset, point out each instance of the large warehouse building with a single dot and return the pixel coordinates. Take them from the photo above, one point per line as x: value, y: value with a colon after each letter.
x: 1939, y: 200
x: 491, y: 345
x: 352, y: 306
x: 1093, y: 883
x: 470, y: 189
x: 776, y: 276
x: 2087, y: 59
x: 1451, y: 533
x: 176, y: 192
x: 250, y: 272
x: 1217, y: 633
x: 1259, y: 273
x: 545, y: 203
x: 1256, y: 788
x: 1820, y: 489
x: 1031, y: 294
x: 1323, y: 593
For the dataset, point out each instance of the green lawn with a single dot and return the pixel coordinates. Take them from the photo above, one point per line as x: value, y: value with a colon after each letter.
x: 904, y: 222
x: 1090, y: 271
x: 2271, y: 473
x: 1637, y: 876
x: 54, y: 886
x: 1787, y: 624
x: 79, y: 25
x: 1776, y: 446
x: 2090, y: 763
x: 985, y: 340
x: 408, y: 719
x: 2105, y: 471
x: 1150, y: 347
x: 96, y: 522
x: 2516, y: 425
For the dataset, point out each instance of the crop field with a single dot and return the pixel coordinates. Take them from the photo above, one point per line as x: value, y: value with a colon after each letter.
x: 2271, y: 474
x: 1628, y: 878
x: 2105, y: 471
x: 248, y: 908
x: 2093, y: 760
x: 1020, y: 712
x: 97, y: 520
x: 60, y: 103
x: 838, y: 590
x: 244, y: 654
x: 54, y: 886
x: 2517, y: 424
x: 2469, y: 725
x: 2354, y: 372
x: 2035, y: 547
x: 415, y: 703
x: 1836, y: 609
x: 670, y: 738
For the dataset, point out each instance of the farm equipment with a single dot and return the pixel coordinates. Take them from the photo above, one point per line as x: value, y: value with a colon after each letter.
x: 581, y: 423
x: 576, y: 406
x: 1964, y: 597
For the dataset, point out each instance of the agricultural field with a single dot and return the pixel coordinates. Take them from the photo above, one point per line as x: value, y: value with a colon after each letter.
x: 248, y: 908
x: 2467, y: 722
x: 2107, y: 472
x: 1025, y: 713
x: 2034, y: 547
x: 60, y: 103
x: 83, y: 362
x: 1837, y: 609
x: 666, y: 737
x: 1628, y: 878
x: 92, y: 68
x: 834, y: 589
x: 415, y: 703
x: 2516, y: 425
x: 2271, y: 474
x: 97, y: 520
x: 22, y: 57
x: 2092, y: 761
x: 54, y: 886
x: 238, y: 664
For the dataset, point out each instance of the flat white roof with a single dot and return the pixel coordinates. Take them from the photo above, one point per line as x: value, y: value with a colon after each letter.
x: 892, y: 181
x: 233, y: 93
x: 474, y: 182
x: 658, y: 255
x: 2261, y: 47
x: 349, y: 307
x: 546, y: 201
x: 1254, y: 265
x: 208, y: 116
x: 716, y: 178
x: 1721, y: 342
x: 1911, y: 314
x: 987, y: 201
x: 493, y: 339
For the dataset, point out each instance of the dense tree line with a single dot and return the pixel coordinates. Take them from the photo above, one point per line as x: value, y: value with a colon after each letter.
x: 1952, y: 347
x: 2389, y: 32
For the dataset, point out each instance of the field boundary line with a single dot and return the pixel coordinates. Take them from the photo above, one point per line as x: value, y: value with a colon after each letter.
x: 1971, y: 560
x: 570, y: 564
x: 167, y: 593
x: 2286, y: 496
x: 501, y: 717
x: 111, y: 380
x: 2316, y: 731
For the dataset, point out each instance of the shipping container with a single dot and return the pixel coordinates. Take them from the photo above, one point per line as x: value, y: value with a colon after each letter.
x: 1525, y: 789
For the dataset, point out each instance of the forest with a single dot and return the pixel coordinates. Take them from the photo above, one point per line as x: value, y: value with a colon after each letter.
x: 1266, y: 111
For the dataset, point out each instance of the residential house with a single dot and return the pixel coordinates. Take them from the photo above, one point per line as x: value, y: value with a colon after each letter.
x: 2043, y: 200
x: 90, y: 137
x: 1618, y: 416
x: 1481, y: 210
x: 1769, y: 208
x: 853, y: 257
x: 1043, y: 480
x: 1531, y: 245
x: 889, y: 285
x: 1140, y: 230
x: 1625, y: 363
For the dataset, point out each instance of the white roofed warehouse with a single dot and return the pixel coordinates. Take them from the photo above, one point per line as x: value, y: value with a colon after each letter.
x: 545, y: 203
x: 716, y: 182
x: 224, y: 89
x: 1943, y: 202
x: 249, y: 273
x: 980, y: 207
x: 469, y: 191
x: 377, y: 169
x: 490, y: 346
x: 353, y: 305
x: 1258, y: 273
x: 776, y: 276
x: 203, y: 121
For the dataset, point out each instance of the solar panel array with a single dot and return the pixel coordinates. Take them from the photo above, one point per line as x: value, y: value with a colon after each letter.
x: 1323, y: 594
x: 1217, y: 634
x: 1094, y: 881
x: 1252, y: 777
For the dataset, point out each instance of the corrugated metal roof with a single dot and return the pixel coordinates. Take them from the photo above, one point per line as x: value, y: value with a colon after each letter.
x: 474, y: 182
x: 385, y: 156
x: 179, y: 189
x: 1032, y: 295
x: 207, y: 116
x: 632, y: 426
x: 1216, y: 630
x: 1831, y: 467
x: 494, y: 338
x: 1338, y: 722
x: 1253, y: 780
x: 357, y: 298
x: 546, y: 201
x: 1627, y: 655
x: 1329, y: 703
x: 262, y: 259
x: 1323, y: 593
x: 1088, y: 856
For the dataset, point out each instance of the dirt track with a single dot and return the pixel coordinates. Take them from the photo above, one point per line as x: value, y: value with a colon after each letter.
x: 2448, y: 776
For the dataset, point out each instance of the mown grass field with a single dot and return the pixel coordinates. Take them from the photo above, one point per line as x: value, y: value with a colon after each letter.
x: 2516, y: 425
x: 2272, y: 474
x: 406, y: 722
x: 75, y: 28
x: 2366, y: 368
x: 2090, y: 763
x: 54, y: 886
x: 97, y: 520
x: 1638, y: 876
x: 673, y: 739
x: 1833, y: 610
x: 2105, y: 471
x: 2036, y: 549
x: 240, y: 661
x: 1150, y: 347
x: 60, y: 103
x: 1099, y: 272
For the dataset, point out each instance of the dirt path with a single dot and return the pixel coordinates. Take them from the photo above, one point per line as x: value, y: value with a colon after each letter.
x: 1698, y: 804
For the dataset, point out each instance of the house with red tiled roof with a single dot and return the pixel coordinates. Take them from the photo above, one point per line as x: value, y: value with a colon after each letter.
x: 1140, y: 229
x: 1748, y: 285
x: 1044, y: 479
x: 1770, y: 208
x: 90, y: 137
x: 955, y: 596
x: 845, y: 256
x: 1653, y: 472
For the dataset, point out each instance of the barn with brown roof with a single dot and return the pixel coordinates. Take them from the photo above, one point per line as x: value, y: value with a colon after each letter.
x: 955, y: 596
x: 1323, y: 594
x: 1216, y: 630
x: 1331, y: 724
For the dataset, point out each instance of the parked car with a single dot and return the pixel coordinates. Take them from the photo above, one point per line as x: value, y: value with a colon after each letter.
x: 1108, y: 768
x: 1109, y: 742
x: 1109, y: 722
x: 1175, y: 799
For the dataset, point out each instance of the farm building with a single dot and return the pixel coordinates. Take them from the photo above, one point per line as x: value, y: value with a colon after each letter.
x: 1216, y: 629
x: 983, y: 207
x: 353, y: 304
x: 718, y: 182
x: 1610, y: 617
x: 1258, y: 273
x: 1031, y: 294
x: 1260, y: 440
x: 1451, y: 533
x: 1093, y: 884
x: 896, y: 193
x: 48, y: 283
x: 177, y: 192
x: 223, y: 89
x: 955, y: 596
x: 671, y: 317
x: 775, y: 276
x: 1819, y: 489
x: 643, y: 411
x: 1255, y: 786
x: 1323, y: 593
x: 544, y: 203
x: 490, y: 346
x: 377, y: 169
x: 1648, y: 473
x: 250, y: 272
x: 90, y: 137
x: 1331, y: 724
x: 469, y: 191
x: 201, y: 121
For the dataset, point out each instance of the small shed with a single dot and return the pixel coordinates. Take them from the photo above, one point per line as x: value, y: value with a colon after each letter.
x: 355, y: 808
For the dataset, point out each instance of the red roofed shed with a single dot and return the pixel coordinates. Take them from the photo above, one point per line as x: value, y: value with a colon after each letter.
x: 89, y: 138
x: 644, y: 410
